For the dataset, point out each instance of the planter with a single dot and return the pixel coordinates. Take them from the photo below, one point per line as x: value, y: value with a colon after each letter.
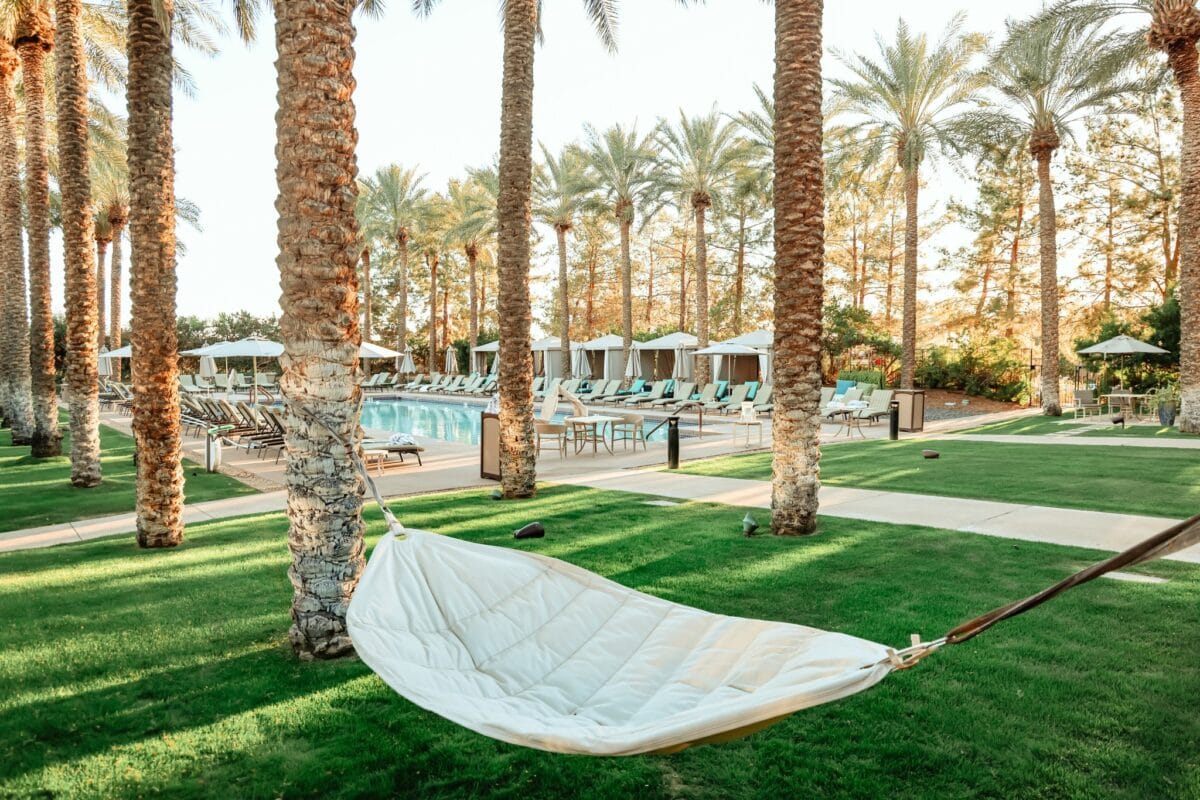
x: 1166, y: 413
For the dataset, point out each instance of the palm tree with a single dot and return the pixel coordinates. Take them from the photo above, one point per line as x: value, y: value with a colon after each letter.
x: 74, y: 181
x: 471, y: 225
x: 910, y: 103
x: 561, y: 186
x: 1173, y: 28
x: 700, y: 156
x: 799, y: 263
x: 623, y: 163
x: 102, y: 234
x: 15, y: 381
x: 159, y: 490
x: 34, y: 38
x: 117, y: 213
x: 391, y: 205
x: 1052, y: 75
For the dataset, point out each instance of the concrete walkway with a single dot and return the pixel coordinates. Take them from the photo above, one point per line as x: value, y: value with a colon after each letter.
x: 1092, y: 529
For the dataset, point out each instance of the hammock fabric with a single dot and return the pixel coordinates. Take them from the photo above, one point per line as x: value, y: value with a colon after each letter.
x: 538, y: 652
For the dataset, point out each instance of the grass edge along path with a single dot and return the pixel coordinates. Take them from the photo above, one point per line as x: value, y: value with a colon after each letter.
x: 38, y: 492
x: 1039, y: 425
x: 135, y: 673
x: 1151, y: 481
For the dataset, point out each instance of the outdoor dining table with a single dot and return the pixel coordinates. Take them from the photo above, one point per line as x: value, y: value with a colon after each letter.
x: 847, y: 418
x: 1134, y: 397
x: 590, y: 428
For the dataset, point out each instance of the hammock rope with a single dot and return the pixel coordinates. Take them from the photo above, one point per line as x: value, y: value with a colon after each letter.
x: 1172, y: 540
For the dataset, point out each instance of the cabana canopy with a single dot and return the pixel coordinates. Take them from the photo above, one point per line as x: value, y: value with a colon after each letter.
x: 655, y: 362
x: 371, y: 350
x: 605, y: 356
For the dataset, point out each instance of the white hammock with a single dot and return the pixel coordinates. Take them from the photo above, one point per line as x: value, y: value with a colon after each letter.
x: 541, y: 653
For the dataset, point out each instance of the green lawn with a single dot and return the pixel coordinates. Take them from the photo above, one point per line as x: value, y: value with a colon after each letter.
x: 1037, y: 425
x: 35, y: 492
x: 1153, y: 481
x: 136, y: 674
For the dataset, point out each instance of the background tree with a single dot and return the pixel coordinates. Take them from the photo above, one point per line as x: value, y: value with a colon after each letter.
x: 909, y: 102
x: 471, y: 225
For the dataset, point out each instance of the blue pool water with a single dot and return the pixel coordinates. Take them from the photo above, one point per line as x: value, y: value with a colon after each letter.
x: 445, y: 420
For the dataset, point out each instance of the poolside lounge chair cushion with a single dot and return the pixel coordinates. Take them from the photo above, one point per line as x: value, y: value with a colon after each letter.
x: 538, y: 652
x: 842, y: 387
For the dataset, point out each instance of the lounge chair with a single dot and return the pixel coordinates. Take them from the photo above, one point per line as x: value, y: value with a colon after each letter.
x: 551, y: 388
x: 466, y: 385
x: 866, y: 388
x: 572, y: 385
x: 221, y: 382
x: 619, y: 394
x: 414, y: 383
x: 188, y: 385
x: 378, y: 450
x: 752, y: 390
x: 486, y: 387
x: 762, y: 401
x: 682, y: 390
x: 597, y: 390
x: 538, y: 383
x: 879, y: 406
x: 706, y: 396
x: 435, y: 385
x: 732, y: 402
x: 826, y: 395
x: 656, y: 392
x: 373, y: 381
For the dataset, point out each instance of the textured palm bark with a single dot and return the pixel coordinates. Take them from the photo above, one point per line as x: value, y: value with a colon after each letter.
x: 74, y: 183
x: 703, y: 363
x: 799, y: 263
x: 366, y: 290
x: 101, y: 287
x: 435, y: 363
x: 118, y: 216
x: 625, y: 222
x: 318, y: 239
x: 34, y: 38
x: 518, y: 466
x: 908, y: 352
x: 564, y: 300
x: 472, y: 252
x: 159, y: 490
x: 402, y: 289
x: 1175, y: 29
x: 1048, y: 246
x: 16, y: 399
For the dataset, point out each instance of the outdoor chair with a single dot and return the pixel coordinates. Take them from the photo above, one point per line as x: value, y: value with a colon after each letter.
x: 879, y: 406
x: 373, y: 381
x: 751, y: 390
x: 414, y: 383
x: 1085, y: 403
x: 852, y: 395
x: 826, y: 395
x: 619, y: 394
x: 706, y: 396
x: 221, y: 382
x: 204, y: 384
x: 682, y: 390
x: 595, y: 392
x: 631, y: 428
x: 538, y: 383
x: 488, y: 386
x: 762, y: 401
x: 572, y: 385
x: 188, y: 385
x: 553, y: 432
x: 656, y: 392
x: 465, y: 386
x: 735, y: 400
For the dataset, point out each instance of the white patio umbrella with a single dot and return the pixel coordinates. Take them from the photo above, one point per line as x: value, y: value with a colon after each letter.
x: 581, y: 367
x: 631, y: 364
x: 406, y: 365
x: 208, y: 367
x: 496, y: 364
x: 104, y: 364
x: 372, y: 350
x: 1120, y: 346
x: 679, y: 372
x: 451, y: 362
x: 252, y: 347
x: 122, y: 352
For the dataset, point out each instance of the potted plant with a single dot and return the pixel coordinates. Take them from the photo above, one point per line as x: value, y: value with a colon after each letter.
x: 1166, y: 400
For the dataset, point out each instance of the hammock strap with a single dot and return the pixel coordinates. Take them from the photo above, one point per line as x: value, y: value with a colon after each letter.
x: 1172, y: 540
x: 355, y: 452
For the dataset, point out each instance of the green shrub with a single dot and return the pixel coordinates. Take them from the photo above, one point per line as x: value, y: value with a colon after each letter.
x: 993, y: 369
x: 863, y: 376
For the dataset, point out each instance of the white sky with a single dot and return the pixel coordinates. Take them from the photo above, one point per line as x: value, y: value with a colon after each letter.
x: 429, y: 94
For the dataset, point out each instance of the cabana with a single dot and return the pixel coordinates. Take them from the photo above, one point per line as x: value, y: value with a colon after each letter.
x: 604, y: 356
x: 483, y: 355
x: 762, y: 341
x: 735, y: 363
x: 547, y: 358
x: 657, y: 357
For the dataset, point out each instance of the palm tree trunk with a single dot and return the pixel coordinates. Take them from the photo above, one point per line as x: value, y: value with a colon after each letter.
x: 564, y: 302
x: 625, y: 221
x: 74, y: 181
x: 472, y: 297
x: 33, y: 42
x: 432, y: 260
x: 16, y: 400
x: 908, y: 362
x: 739, y: 281
x: 152, y: 333
x: 649, y: 286
x: 702, y: 364
x: 402, y: 291
x: 518, y: 466
x: 101, y: 287
x: 1014, y: 266
x: 318, y: 234
x: 889, y: 296
x: 799, y: 261
x: 115, y: 285
x: 366, y: 283
x: 1182, y: 57
x: 1048, y: 246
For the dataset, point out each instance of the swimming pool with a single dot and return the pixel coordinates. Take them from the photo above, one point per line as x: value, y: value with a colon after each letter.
x: 445, y: 420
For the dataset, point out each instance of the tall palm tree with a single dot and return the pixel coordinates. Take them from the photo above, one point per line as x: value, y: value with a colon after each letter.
x: 799, y: 264
x: 391, y: 205
x: 159, y: 490
x: 116, y: 211
x: 16, y: 405
x: 319, y: 249
x: 74, y: 182
x: 34, y: 38
x: 1173, y: 28
x: 471, y: 225
x: 700, y: 156
x: 561, y: 187
x: 102, y: 235
x: 623, y: 163
x: 910, y: 102
x: 1051, y: 75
